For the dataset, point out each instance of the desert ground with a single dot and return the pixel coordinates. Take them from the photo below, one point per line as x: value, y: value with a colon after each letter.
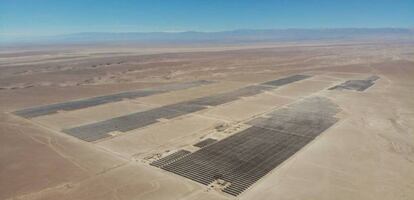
x: 304, y: 120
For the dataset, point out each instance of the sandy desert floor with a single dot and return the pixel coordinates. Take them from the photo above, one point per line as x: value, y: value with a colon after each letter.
x: 367, y: 152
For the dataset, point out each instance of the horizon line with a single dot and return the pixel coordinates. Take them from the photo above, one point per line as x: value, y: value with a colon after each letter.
x: 198, y: 31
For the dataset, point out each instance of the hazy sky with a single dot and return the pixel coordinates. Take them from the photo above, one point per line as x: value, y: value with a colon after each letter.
x: 49, y: 17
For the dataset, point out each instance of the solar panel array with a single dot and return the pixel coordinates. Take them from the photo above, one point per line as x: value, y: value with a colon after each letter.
x: 99, y: 130
x: 247, y: 156
x: 94, y: 101
x: 357, y: 85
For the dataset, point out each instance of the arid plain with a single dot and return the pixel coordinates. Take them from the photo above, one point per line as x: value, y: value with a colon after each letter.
x: 355, y: 99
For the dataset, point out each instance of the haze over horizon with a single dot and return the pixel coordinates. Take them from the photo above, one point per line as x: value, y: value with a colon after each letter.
x: 33, y: 18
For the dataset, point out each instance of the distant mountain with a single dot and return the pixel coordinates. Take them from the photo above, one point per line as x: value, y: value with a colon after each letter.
x: 245, y: 35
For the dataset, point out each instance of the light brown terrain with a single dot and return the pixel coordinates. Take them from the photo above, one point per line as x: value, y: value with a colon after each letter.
x: 368, y: 154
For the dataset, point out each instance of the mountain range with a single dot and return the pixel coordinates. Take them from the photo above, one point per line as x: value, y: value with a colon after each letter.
x: 243, y: 35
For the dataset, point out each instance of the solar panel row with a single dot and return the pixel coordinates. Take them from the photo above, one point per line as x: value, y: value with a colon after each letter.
x: 287, y: 80
x: 170, y: 158
x: 94, y: 101
x: 205, y: 142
